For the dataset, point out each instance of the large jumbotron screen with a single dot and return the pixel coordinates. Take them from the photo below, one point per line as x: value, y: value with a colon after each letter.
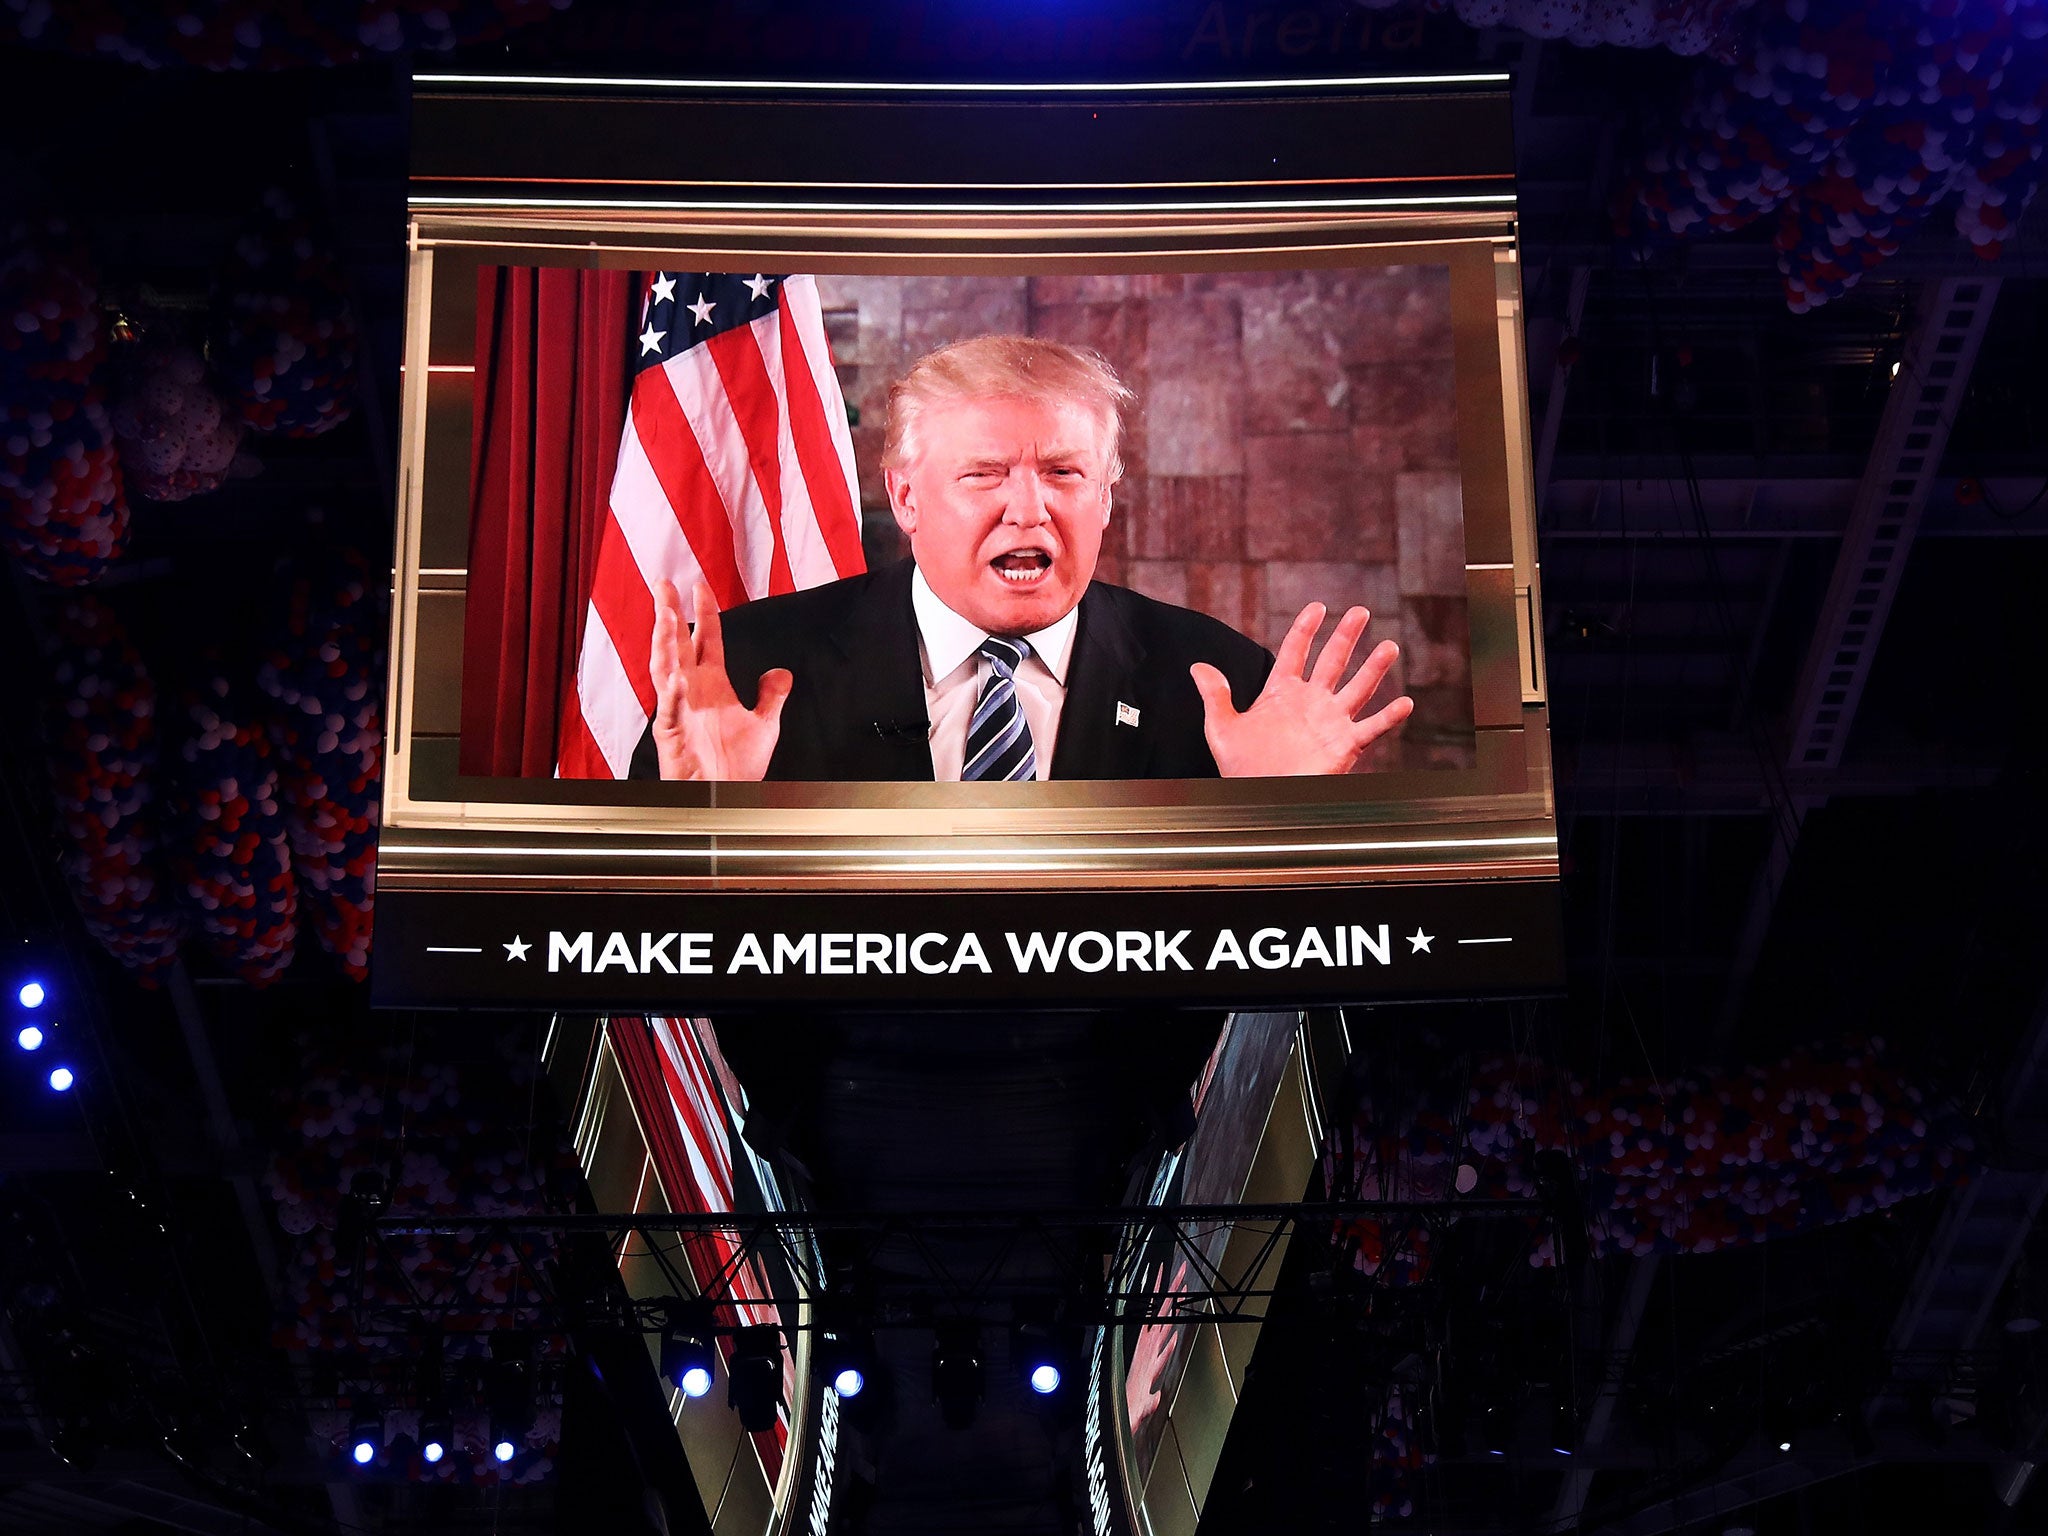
x: 962, y: 554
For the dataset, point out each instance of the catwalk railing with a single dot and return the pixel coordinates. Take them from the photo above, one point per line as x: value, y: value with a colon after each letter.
x: 1104, y: 1266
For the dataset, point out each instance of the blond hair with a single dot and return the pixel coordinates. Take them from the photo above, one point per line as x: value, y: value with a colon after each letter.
x: 1004, y: 367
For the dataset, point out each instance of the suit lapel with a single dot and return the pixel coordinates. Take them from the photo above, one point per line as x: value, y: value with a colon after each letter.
x: 1104, y: 673
x: 883, y: 708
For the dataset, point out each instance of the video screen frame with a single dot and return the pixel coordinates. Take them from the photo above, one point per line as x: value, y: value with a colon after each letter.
x: 1494, y: 819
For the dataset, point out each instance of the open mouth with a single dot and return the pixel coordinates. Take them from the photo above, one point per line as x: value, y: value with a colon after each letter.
x: 1022, y: 567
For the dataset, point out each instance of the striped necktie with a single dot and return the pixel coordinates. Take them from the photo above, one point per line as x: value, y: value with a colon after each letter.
x: 998, y: 738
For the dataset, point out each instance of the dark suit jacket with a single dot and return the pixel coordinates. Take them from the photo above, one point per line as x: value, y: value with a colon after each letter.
x: 857, y: 711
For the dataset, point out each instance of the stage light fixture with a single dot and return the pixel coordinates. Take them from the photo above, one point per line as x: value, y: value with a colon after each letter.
x: 365, y: 1438
x: 1564, y: 1426
x: 253, y: 1445
x: 509, y: 1423
x: 689, y: 1357
x: 437, y: 1433
x: 32, y: 994
x: 430, y: 1384
x: 1426, y: 1415
x: 508, y: 1391
x: 754, y: 1388
x: 1783, y: 1419
x: 847, y: 1357
x: 76, y: 1443
x: 61, y: 1079
x: 1496, y: 1428
x: 1042, y: 1354
x: 957, y: 1374
x: 30, y: 1037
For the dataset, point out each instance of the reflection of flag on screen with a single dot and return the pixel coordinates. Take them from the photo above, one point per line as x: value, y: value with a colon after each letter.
x: 736, y: 469
x: 692, y: 1112
x: 705, y: 1181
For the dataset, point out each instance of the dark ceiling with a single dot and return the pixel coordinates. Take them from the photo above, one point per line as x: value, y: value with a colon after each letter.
x: 1727, y: 901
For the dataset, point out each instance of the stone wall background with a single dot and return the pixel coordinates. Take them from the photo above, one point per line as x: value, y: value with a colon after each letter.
x: 1295, y: 440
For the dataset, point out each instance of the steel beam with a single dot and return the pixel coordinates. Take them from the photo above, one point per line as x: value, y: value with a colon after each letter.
x: 1644, y: 501
x: 1134, y: 1221
x: 1041, y: 1253
x: 1716, y: 776
x: 1730, y: 1494
x: 1953, y: 315
x: 1985, y: 1227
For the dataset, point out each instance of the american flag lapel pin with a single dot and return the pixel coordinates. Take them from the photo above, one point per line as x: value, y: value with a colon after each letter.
x: 1126, y: 714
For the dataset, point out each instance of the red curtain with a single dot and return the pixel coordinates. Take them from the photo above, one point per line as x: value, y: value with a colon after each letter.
x: 552, y: 375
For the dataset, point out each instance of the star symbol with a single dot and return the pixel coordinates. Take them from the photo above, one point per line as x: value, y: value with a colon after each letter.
x: 701, y: 309
x: 664, y: 288
x: 517, y: 949
x: 758, y: 285
x: 650, y: 340
x: 1419, y: 942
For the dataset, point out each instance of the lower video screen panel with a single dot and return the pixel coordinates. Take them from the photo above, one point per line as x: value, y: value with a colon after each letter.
x: 740, y: 948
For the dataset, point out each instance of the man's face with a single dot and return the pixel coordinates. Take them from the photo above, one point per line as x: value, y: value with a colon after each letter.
x: 1005, y: 507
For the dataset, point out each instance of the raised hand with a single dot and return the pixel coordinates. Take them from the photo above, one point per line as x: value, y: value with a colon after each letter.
x: 701, y: 729
x: 1303, y: 721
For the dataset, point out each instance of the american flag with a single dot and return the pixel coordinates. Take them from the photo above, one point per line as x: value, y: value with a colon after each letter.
x: 735, y: 469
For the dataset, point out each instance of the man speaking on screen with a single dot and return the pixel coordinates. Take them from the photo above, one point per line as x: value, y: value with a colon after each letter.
x: 993, y: 653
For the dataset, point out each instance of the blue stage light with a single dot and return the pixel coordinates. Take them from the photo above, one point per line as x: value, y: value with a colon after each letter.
x: 30, y: 1038
x: 61, y: 1079
x: 1040, y: 1352
x: 504, y: 1450
x: 366, y: 1437
x: 845, y: 1354
x: 437, y: 1427
x: 689, y: 1351
x: 437, y: 1430
x: 32, y: 994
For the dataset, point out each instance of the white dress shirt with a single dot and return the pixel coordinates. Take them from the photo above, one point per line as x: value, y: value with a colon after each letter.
x: 949, y: 648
